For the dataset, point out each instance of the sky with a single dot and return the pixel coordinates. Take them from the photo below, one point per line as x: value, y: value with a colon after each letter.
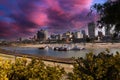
x: 23, y: 18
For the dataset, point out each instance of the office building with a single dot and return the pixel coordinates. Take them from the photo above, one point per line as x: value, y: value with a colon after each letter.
x: 91, y: 30
x: 78, y: 35
x: 42, y: 35
x: 84, y: 33
x: 68, y: 35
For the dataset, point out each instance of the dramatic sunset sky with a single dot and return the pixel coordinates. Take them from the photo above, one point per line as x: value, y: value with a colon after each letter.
x: 22, y: 18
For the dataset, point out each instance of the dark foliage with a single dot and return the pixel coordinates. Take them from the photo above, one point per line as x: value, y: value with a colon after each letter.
x: 103, y: 66
x: 109, y: 13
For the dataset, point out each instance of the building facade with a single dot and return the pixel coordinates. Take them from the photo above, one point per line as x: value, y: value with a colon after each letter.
x: 91, y: 30
x: 78, y: 35
x: 42, y: 35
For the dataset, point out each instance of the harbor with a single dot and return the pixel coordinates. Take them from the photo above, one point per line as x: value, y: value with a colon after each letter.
x: 33, y: 49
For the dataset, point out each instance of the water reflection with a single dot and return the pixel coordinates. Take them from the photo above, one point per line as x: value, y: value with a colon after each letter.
x: 62, y: 54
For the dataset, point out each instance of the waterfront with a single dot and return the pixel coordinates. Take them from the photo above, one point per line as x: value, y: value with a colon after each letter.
x: 55, y: 58
x: 33, y: 50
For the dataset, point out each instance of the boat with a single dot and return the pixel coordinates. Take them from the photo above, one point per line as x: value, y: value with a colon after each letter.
x: 41, y: 48
x: 44, y: 48
x: 82, y: 48
x: 76, y: 48
x: 55, y: 48
x: 63, y: 48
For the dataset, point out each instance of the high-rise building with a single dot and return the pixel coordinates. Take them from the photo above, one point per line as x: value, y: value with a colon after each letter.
x: 59, y: 36
x: 56, y: 37
x: 67, y: 35
x: 53, y: 37
x: 42, y: 35
x: 84, y: 33
x: 91, y: 30
x: 46, y: 34
x: 78, y: 35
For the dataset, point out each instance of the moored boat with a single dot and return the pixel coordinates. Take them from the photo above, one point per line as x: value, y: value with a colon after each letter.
x: 41, y: 48
x: 55, y: 48
x: 76, y: 48
x: 63, y: 48
x: 44, y: 48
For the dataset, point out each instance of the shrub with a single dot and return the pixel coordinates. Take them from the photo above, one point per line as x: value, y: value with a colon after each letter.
x: 103, y: 66
x: 33, y: 70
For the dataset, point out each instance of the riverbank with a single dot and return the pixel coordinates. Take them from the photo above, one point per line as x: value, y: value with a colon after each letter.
x: 50, y: 61
x: 54, y: 61
x: 85, y: 45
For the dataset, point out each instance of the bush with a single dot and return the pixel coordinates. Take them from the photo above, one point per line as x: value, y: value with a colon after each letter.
x: 97, y: 67
x: 103, y: 66
x: 33, y: 70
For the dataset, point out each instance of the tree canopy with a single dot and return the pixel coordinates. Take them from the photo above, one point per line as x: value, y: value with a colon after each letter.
x: 109, y: 13
x: 103, y: 66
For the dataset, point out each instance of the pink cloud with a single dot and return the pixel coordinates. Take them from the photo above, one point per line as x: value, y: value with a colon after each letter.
x: 39, y: 18
x: 54, y: 15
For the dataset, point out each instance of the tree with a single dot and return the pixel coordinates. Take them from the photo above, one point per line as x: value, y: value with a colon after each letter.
x: 103, y: 66
x: 109, y: 13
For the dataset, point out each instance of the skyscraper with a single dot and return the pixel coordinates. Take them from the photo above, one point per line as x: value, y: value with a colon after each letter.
x: 78, y: 35
x: 91, y: 30
x: 42, y: 35
x: 84, y: 33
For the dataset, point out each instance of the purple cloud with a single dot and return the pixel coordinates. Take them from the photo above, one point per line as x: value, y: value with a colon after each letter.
x: 22, y: 18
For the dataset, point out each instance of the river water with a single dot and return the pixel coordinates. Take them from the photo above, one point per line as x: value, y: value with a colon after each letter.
x: 61, y: 54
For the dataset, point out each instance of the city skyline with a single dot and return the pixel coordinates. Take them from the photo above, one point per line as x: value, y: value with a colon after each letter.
x: 23, y: 18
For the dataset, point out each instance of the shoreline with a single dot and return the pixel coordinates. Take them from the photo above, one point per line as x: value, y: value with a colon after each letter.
x: 66, y: 63
x: 86, y: 45
x: 45, y: 58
